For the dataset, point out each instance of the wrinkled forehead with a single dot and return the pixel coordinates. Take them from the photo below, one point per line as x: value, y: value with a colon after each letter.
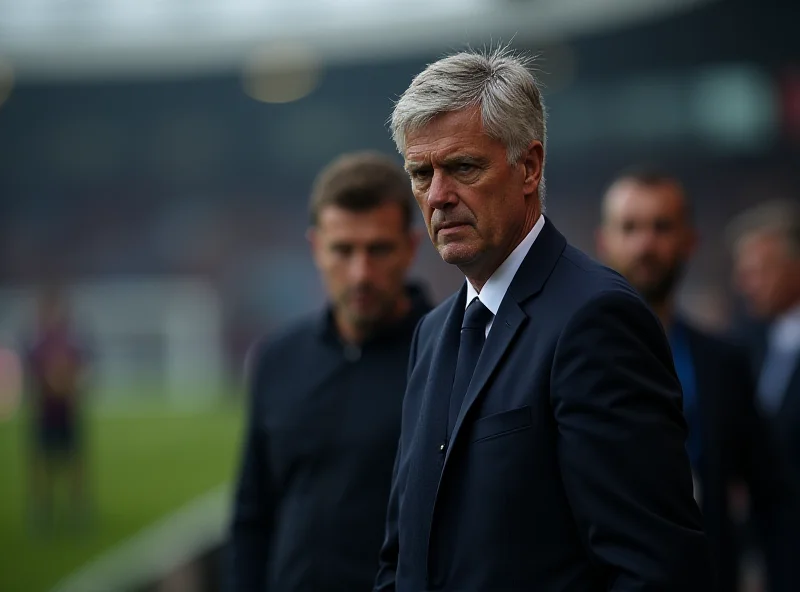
x: 450, y: 134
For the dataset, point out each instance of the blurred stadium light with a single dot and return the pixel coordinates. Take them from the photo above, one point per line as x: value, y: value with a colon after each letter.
x: 281, y: 73
x: 68, y: 38
x: 737, y: 106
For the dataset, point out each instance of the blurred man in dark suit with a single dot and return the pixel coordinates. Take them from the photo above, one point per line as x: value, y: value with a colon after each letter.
x: 326, y: 396
x: 766, y: 242
x: 767, y: 269
x: 647, y: 235
x: 542, y: 445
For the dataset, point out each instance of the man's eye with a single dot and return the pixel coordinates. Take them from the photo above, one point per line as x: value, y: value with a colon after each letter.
x: 663, y: 226
x: 465, y: 167
x: 380, y: 250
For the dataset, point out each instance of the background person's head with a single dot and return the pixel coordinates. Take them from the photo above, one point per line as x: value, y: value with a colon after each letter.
x: 766, y: 252
x: 362, y: 239
x: 646, y: 232
x: 472, y: 130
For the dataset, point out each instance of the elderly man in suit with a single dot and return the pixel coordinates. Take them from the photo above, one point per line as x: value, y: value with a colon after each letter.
x: 543, y: 441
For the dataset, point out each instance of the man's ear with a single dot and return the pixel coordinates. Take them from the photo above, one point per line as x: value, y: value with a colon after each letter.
x: 533, y: 160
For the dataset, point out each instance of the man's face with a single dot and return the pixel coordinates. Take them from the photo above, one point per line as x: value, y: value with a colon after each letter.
x: 363, y: 258
x: 766, y: 273
x: 646, y: 236
x: 476, y: 206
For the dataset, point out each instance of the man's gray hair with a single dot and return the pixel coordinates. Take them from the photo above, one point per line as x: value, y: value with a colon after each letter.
x: 497, y: 81
x: 780, y: 217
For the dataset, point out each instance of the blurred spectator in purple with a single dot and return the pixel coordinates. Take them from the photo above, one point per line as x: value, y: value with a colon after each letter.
x: 55, y: 371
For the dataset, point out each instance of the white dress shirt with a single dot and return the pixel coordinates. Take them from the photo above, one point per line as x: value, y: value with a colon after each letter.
x: 496, y: 287
x: 782, y: 358
x: 784, y: 335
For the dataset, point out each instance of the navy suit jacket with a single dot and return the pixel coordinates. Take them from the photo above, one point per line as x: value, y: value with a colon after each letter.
x: 737, y: 446
x: 567, y: 468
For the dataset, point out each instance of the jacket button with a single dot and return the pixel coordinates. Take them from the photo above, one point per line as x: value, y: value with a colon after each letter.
x: 442, y: 447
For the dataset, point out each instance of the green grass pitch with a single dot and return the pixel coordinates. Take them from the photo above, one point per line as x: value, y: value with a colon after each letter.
x: 143, y: 464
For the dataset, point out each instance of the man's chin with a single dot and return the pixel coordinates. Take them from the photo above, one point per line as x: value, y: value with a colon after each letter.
x: 457, y: 254
x: 366, y: 317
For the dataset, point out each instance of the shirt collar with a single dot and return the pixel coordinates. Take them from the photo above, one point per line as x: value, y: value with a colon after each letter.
x: 496, y: 287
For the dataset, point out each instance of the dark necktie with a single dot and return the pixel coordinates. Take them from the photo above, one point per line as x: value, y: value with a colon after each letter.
x: 473, y: 335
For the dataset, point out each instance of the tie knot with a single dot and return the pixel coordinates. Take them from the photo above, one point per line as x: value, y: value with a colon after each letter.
x: 477, y: 316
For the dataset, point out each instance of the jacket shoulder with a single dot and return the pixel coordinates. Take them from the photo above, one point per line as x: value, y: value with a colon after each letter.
x: 280, y: 348
x: 588, y: 281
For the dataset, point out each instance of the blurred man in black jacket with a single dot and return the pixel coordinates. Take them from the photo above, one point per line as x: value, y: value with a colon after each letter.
x: 326, y: 396
x: 647, y: 235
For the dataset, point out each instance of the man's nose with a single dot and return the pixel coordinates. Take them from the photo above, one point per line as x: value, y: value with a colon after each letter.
x: 360, y: 267
x: 442, y: 191
x: 644, y: 240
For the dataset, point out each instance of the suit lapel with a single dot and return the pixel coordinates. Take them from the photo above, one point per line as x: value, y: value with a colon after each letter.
x: 505, y: 327
x: 435, y: 404
x: 528, y: 281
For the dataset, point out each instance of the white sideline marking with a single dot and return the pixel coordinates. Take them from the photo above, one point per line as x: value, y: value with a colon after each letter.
x: 156, y: 549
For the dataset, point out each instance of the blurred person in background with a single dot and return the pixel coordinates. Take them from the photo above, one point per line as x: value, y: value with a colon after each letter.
x: 326, y: 395
x: 766, y: 244
x: 646, y: 234
x: 56, y: 370
x: 542, y: 445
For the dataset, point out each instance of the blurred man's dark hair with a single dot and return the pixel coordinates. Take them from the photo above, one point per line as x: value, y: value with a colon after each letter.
x: 359, y: 182
x: 652, y: 175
